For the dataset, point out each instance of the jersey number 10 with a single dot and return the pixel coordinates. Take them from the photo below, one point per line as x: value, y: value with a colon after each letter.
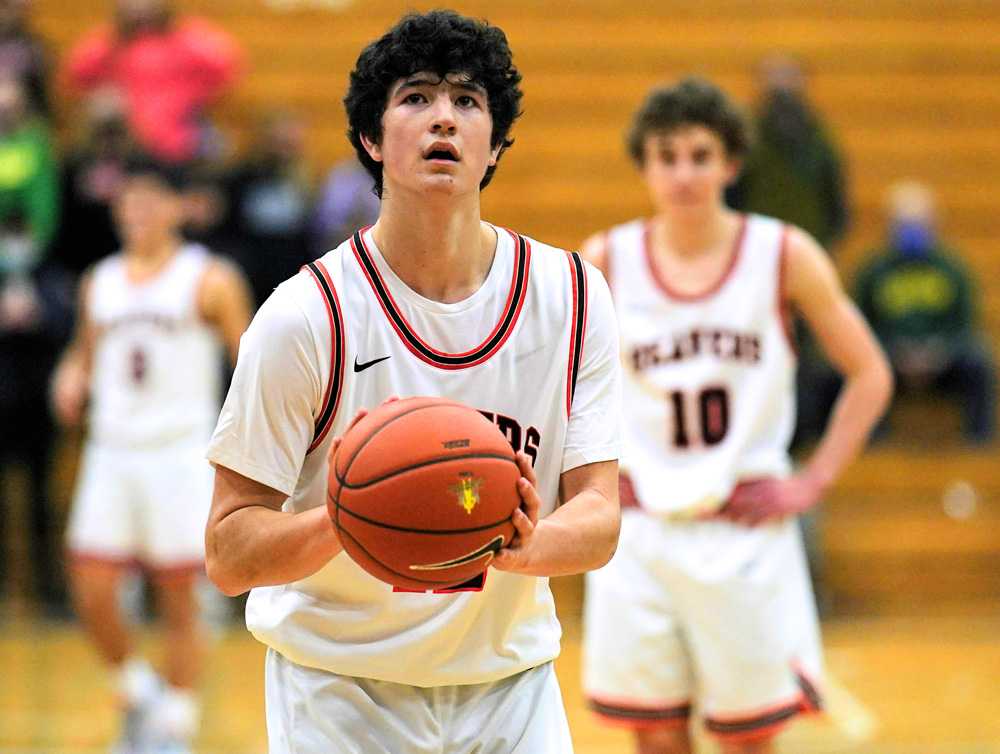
x: 708, y: 409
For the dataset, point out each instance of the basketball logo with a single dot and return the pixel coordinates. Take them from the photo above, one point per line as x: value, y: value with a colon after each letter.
x: 467, y: 491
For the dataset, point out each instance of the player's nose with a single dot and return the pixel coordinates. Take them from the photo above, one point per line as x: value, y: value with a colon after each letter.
x: 443, y: 116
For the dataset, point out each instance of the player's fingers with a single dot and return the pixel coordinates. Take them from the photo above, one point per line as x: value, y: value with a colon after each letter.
x: 362, y: 413
x: 530, y: 502
x: 390, y: 399
x: 527, y: 470
x: 523, y: 525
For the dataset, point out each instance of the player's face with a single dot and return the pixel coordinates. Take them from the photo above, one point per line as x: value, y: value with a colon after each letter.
x: 687, y: 168
x: 147, y: 211
x: 435, y: 135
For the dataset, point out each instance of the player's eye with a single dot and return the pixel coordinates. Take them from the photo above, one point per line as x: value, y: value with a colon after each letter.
x: 667, y: 157
x: 414, y: 98
x: 701, y: 156
x: 466, y: 100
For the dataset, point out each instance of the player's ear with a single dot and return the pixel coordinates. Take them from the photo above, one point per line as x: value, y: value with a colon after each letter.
x: 372, y: 148
x: 495, y: 155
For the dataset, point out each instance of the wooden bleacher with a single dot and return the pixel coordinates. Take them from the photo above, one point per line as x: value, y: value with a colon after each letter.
x: 910, y: 88
x: 918, y: 533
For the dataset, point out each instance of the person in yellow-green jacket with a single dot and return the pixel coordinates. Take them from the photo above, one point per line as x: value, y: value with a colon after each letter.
x: 921, y: 302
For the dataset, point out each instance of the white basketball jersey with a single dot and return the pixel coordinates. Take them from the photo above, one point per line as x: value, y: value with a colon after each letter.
x: 709, y: 379
x: 156, y: 364
x: 515, y: 350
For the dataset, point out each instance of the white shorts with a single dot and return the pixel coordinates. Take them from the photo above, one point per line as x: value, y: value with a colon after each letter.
x: 706, y: 614
x: 311, y: 711
x: 147, y: 507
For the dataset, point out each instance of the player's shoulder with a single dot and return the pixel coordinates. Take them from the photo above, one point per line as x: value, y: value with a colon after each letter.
x: 569, y: 267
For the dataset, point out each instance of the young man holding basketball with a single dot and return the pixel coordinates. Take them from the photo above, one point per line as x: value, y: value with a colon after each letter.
x: 707, y: 603
x: 429, y: 301
x: 155, y: 321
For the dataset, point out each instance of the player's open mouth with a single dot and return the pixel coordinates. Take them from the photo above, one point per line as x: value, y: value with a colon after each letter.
x: 442, y: 151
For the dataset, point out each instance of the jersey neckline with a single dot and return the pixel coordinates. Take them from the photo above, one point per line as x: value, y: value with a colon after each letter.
x: 417, y: 345
x: 661, y: 281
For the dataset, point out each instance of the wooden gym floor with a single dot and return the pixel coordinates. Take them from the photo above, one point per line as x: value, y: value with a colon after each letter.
x: 897, y: 686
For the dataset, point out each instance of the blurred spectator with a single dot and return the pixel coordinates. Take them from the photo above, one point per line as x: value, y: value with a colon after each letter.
x: 921, y: 303
x: 36, y: 312
x: 169, y: 70
x: 793, y: 172
x: 205, y: 210
x: 93, y: 174
x: 28, y: 179
x: 269, y: 197
x: 346, y: 203
x: 23, y: 55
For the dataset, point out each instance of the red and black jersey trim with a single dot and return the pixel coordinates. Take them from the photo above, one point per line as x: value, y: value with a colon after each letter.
x: 335, y: 385
x: 756, y: 725
x: 768, y: 722
x: 578, y: 279
x: 639, y: 715
x: 512, y: 309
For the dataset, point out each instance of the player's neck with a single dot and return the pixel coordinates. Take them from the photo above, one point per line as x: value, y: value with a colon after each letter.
x: 146, y: 261
x: 443, y: 251
x: 689, y: 233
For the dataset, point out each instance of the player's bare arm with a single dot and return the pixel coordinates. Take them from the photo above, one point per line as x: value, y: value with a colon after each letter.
x: 814, y: 290
x: 250, y: 541
x: 578, y: 536
x: 71, y: 379
x: 595, y: 251
x: 224, y: 302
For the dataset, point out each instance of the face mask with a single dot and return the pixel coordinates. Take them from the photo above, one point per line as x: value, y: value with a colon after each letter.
x: 912, y: 238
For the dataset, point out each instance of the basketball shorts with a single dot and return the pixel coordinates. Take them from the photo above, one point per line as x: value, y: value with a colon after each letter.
x: 144, y: 507
x: 312, y: 711
x: 705, y: 615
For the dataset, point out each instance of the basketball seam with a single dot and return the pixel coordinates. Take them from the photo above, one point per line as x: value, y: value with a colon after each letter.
x: 383, y: 426
x: 431, y: 462
x: 365, y: 550
x: 409, y: 530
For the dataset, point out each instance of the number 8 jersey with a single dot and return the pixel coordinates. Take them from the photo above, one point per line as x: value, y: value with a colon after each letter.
x: 709, y: 379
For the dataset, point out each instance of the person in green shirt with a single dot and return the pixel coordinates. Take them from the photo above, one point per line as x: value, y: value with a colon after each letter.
x: 28, y: 179
x: 921, y: 302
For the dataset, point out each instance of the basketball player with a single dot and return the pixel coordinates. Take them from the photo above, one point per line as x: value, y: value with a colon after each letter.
x: 153, y: 322
x: 707, y: 603
x: 431, y: 300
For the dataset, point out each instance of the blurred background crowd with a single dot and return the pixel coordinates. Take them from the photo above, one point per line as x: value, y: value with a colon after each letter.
x: 272, y: 183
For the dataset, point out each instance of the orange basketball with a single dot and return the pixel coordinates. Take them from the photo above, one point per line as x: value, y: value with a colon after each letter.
x: 421, y: 492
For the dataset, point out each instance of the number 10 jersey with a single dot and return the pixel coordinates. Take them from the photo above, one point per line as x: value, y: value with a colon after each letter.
x: 709, y: 379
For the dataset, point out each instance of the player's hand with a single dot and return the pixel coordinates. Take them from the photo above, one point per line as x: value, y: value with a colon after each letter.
x: 362, y: 413
x: 761, y: 500
x: 517, y: 555
x: 69, y: 394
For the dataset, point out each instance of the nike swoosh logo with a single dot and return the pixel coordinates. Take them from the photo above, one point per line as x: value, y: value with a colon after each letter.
x: 490, y: 549
x: 363, y: 366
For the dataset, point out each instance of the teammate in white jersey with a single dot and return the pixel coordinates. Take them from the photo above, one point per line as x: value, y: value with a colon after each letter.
x: 707, y: 604
x: 430, y: 300
x: 153, y: 322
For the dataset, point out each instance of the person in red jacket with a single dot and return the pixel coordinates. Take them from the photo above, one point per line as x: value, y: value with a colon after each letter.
x: 169, y: 69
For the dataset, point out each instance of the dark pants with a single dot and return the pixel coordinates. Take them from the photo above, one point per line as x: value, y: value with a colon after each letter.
x: 26, y: 436
x: 971, y: 377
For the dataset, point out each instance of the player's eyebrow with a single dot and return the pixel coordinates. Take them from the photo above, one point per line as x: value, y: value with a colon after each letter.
x: 417, y: 80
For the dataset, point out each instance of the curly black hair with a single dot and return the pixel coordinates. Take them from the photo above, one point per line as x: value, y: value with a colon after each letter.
x: 692, y: 101
x: 440, y: 42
